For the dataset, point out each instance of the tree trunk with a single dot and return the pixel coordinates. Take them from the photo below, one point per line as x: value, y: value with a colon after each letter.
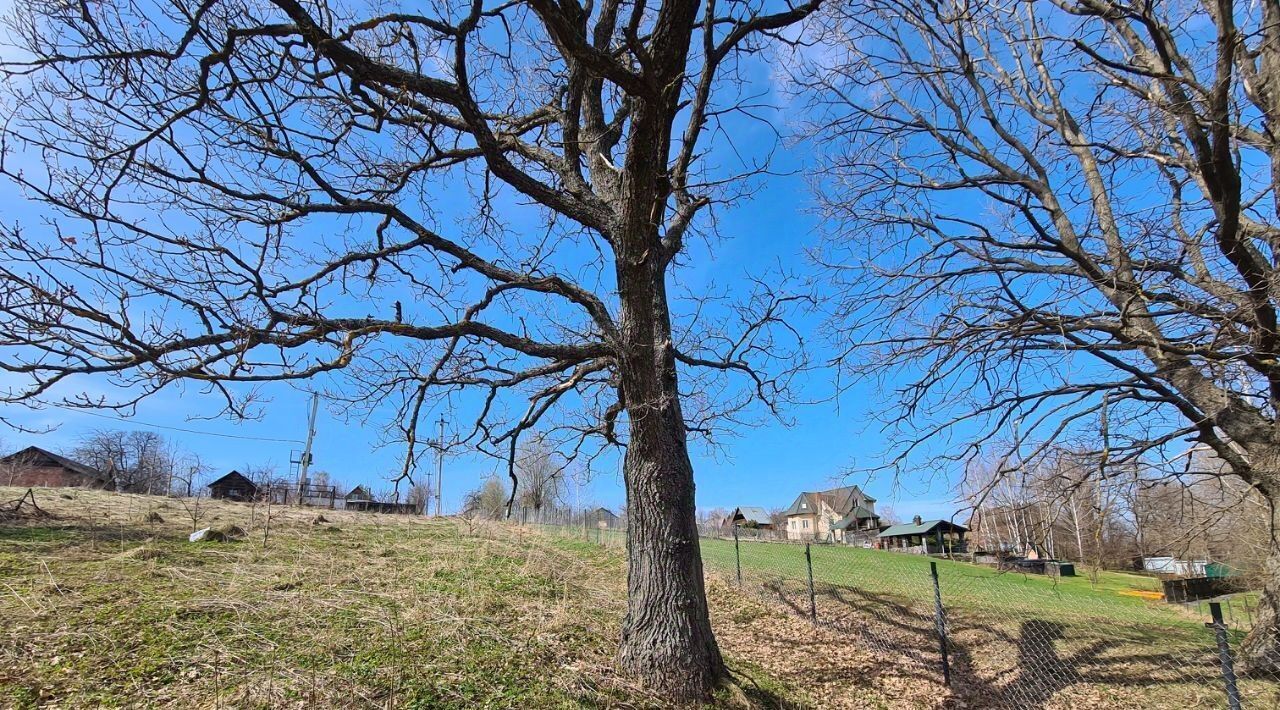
x: 667, y: 642
x: 1260, y: 652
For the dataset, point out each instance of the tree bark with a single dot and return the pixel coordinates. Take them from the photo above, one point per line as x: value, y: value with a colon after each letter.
x: 1260, y: 652
x: 667, y: 642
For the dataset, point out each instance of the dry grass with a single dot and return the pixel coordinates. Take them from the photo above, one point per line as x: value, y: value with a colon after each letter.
x: 107, y: 604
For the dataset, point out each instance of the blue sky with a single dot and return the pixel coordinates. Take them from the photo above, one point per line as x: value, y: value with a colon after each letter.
x: 766, y: 465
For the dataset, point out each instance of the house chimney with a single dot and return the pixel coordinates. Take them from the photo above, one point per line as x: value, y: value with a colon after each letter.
x: 917, y: 520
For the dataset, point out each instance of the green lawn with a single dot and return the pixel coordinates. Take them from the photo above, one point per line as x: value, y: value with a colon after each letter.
x: 962, y: 584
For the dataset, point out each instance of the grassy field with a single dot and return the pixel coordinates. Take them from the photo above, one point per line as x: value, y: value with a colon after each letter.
x: 106, y: 604
x: 1025, y: 639
x: 100, y: 607
x: 963, y: 584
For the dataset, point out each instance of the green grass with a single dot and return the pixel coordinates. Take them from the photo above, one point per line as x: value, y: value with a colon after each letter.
x: 1120, y: 648
x: 967, y: 588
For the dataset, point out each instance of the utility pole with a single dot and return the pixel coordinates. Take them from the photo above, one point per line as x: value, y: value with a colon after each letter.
x: 440, y: 467
x: 305, y: 463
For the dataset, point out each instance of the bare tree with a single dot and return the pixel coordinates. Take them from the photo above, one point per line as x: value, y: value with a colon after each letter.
x: 136, y: 461
x: 187, y: 473
x: 1063, y: 215
x: 540, y: 476
x: 531, y: 173
x: 419, y: 495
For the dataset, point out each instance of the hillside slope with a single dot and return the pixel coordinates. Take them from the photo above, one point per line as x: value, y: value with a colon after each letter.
x: 99, y: 606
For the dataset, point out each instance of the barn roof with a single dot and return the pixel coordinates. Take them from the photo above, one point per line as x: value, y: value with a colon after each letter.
x: 235, y: 478
x: 34, y: 455
x: 359, y: 493
x: 923, y: 528
x: 753, y: 514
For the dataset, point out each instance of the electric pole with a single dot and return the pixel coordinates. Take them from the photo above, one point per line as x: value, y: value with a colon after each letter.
x: 305, y: 463
x: 440, y: 466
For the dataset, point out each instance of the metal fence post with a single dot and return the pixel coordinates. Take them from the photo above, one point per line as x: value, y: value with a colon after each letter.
x: 1224, y: 655
x: 939, y: 620
x: 737, y: 554
x: 813, y: 603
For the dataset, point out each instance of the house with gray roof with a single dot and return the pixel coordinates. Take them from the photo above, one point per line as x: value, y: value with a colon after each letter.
x: 751, y: 516
x: 838, y: 514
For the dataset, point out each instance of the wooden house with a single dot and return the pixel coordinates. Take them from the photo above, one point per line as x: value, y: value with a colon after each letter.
x: 361, y: 498
x: 233, y: 486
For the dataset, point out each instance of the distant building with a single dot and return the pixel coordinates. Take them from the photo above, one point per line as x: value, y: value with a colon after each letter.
x: 361, y: 499
x: 233, y: 486
x: 358, y: 499
x: 751, y: 516
x: 923, y: 536
x: 602, y: 517
x: 1175, y: 567
x: 34, y: 466
x: 837, y: 514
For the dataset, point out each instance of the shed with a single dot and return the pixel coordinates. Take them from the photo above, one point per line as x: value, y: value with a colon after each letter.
x: 925, y: 536
x: 34, y: 466
x: 233, y: 486
x: 603, y: 517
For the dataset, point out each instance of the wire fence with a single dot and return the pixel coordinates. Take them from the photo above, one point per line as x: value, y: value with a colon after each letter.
x: 996, y: 637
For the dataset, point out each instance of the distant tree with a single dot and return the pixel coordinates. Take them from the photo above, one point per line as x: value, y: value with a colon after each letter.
x: 188, y: 473
x: 540, y: 476
x: 715, y: 517
x: 135, y: 461
x: 387, y: 494
x: 487, y: 501
x: 419, y: 495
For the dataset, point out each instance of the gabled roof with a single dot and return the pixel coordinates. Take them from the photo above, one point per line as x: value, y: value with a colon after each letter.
x: 606, y: 511
x: 235, y: 478
x: 752, y: 514
x: 36, y: 456
x: 921, y: 529
x: 359, y: 491
x: 841, y: 500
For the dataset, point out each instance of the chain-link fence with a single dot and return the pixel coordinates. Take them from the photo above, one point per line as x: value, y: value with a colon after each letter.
x: 998, y: 638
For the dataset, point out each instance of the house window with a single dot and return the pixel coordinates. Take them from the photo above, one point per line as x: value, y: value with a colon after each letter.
x: 806, y: 525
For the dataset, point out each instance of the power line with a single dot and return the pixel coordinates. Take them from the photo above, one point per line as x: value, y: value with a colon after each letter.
x: 172, y: 428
